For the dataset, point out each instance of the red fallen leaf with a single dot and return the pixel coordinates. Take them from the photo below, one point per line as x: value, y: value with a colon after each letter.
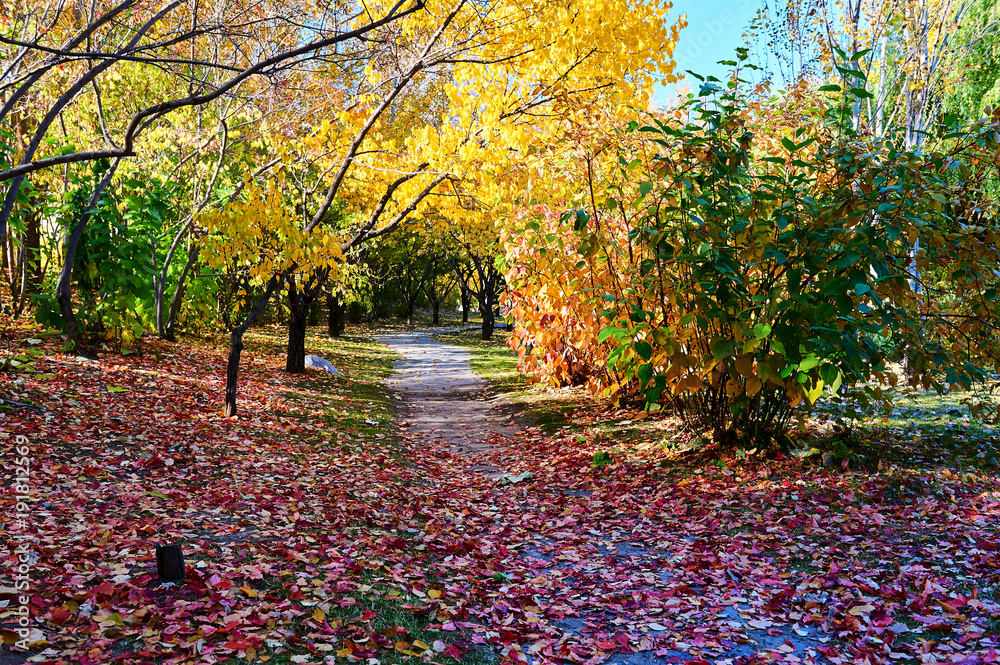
x: 103, y: 589
x: 941, y: 626
x: 880, y: 619
x: 453, y: 652
x: 828, y: 650
x: 61, y: 615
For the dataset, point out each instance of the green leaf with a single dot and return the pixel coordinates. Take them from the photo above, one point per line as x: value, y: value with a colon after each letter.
x: 159, y: 495
x: 610, y: 331
x: 861, y: 289
x: 722, y: 348
x: 116, y: 389
x: 829, y: 88
x: 828, y: 372
x: 762, y: 330
x: 601, y: 458
x: 808, y: 363
x: 644, y: 350
x: 856, y: 73
x: 837, y: 381
x: 788, y: 144
x: 764, y: 371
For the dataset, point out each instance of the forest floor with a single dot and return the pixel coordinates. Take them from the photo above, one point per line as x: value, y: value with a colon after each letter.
x: 320, y: 526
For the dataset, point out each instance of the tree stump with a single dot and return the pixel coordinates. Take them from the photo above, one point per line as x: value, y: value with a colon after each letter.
x: 170, y: 563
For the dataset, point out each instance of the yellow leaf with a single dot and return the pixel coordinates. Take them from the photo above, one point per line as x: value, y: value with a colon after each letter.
x: 421, y: 645
x: 403, y: 647
x: 813, y: 394
x: 434, y: 593
x: 319, y: 614
x: 249, y: 591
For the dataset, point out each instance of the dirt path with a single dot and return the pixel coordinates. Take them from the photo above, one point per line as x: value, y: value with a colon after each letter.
x: 595, y: 589
x: 442, y: 400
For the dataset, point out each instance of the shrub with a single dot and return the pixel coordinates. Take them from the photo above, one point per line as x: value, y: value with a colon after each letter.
x: 775, y: 255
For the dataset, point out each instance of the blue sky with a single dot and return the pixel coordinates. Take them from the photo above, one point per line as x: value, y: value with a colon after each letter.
x: 715, y: 29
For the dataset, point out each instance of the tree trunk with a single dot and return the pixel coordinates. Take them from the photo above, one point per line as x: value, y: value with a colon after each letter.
x: 335, y: 316
x: 169, y: 330
x: 160, y: 285
x: 437, y: 312
x: 64, y: 287
x: 236, y: 343
x: 298, y: 318
x: 488, y: 321
x: 466, y: 304
x: 33, y: 247
x: 340, y: 314
x: 295, y: 358
x: 410, y: 304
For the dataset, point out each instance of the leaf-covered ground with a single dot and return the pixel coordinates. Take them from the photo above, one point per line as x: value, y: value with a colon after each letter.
x: 316, y: 532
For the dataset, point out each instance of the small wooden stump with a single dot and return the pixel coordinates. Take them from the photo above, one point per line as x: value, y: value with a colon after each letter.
x: 170, y: 563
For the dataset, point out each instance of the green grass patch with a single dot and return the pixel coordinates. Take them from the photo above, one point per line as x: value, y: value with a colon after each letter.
x: 922, y: 427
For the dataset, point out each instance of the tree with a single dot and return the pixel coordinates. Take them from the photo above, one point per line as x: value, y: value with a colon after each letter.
x: 412, y: 264
x: 896, y: 51
x: 397, y: 175
x: 47, y: 53
x: 439, y: 288
x: 484, y: 281
x: 978, y: 86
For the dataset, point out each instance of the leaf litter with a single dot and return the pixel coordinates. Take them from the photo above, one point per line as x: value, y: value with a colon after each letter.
x: 308, y: 539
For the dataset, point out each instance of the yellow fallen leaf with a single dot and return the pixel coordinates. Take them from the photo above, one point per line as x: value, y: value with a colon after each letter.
x: 249, y: 591
x: 434, y: 593
x: 319, y: 614
x: 421, y: 645
x: 858, y: 610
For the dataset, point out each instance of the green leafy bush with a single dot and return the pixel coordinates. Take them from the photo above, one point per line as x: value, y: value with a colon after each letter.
x: 779, y: 255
